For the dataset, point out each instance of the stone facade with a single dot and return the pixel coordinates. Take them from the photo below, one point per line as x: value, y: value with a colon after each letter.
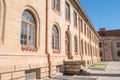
x: 19, y: 62
x: 109, y: 45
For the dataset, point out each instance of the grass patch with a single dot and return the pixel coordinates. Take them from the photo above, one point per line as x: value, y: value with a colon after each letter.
x: 100, y: 65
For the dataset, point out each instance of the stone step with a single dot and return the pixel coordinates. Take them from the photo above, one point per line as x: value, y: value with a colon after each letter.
x: 73, y: 66
x: 74, y: 77
x: 72, y: 70
x: 73, y: 63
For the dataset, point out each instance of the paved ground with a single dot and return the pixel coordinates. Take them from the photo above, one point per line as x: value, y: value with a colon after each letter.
x: 74, y: 77
x: 112, y: 72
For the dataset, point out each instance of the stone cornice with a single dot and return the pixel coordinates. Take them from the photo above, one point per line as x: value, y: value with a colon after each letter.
x: 80, y: 10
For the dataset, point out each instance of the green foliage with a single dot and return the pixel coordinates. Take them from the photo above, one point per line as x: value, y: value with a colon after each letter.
x: 100, y: 65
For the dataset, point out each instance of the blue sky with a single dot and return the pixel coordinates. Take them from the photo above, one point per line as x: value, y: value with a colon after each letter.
x: 103, y: 13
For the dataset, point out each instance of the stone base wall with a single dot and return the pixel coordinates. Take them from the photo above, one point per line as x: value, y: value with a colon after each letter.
x: 18, y: 72
x: 20, y: 75
x: 13, y: 76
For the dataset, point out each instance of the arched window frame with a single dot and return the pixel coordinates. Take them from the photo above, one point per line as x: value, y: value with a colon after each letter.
x: 55, y: 39
x: 37, y: 29
x: 2, y: 20
x: 28, y: 29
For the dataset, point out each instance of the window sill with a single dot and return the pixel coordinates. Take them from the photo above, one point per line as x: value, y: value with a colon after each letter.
x: 56, y: 51
x: 29, y: 49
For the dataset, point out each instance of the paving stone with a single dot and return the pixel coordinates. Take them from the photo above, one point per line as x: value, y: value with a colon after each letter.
x: 112, y: 72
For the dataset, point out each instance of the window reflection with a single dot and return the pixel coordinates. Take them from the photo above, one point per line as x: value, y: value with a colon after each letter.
x: 55, y: 38
x: 27, y: 29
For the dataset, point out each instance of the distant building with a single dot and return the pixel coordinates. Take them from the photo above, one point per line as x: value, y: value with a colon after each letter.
x: 109, y: 45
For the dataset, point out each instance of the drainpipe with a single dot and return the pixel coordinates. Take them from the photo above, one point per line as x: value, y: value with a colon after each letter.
x: 47, y: 53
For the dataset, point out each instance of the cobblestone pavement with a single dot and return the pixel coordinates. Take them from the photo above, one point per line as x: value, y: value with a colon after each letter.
x: 112, y: 72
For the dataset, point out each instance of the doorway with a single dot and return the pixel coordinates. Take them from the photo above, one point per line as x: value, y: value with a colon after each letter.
x: 68, y: 46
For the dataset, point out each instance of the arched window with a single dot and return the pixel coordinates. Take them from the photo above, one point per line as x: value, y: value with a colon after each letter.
x: 75, y: 45
x: 28, y: 29
x: 55, y: 38
x: 2, y: 19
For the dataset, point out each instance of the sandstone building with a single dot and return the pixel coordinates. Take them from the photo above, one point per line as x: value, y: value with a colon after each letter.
x: 37, y: 36
x: 109, y: 45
